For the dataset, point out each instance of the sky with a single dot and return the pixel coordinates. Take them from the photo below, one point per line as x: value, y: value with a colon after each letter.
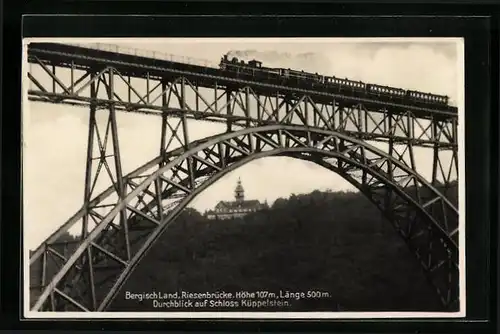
x: 55, y: 136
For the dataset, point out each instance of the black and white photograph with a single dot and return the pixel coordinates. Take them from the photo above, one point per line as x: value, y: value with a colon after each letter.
x: 261, y: 178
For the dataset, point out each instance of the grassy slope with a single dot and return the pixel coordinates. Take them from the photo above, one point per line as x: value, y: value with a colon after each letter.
x: 334, y: 242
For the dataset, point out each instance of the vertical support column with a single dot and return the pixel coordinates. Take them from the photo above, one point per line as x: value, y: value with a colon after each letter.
x: 72, y: 87
x: 306, y: 112
x: 455, y: 145
x: 411, y: 130
x: 366, y: 128
x: 44, y: 270
x: 435, y: 166
x: 53, y: 79
x: 411, y: 126
x: 247, y: 106
x: 222, y: 155
x: 147, y: 88
x: 184, y: 118
x: 129, y: 90
x: 388, y: 190
x: 216, y: 89
x: 341, y: 144
x: 315, y: 114
x: 391, y: 141
x: 164, y: 105
x: 360, y: 118
x: 435, y: 160
x: 228, y: 109
x: 163, y: 148
x: 88, y: 190
x: 90, y: 148
x: 445, y: 153
x: 185, y: 132
x: 288, y: 118
x: 117, y: 159
x: 247, y: 115
x: 334, y: 111
x: 276, y: 109
x: 340, y: 110
x: 197, y: 97
x: 285, y: 141
x: 229, y: 121
x: 259, y: 108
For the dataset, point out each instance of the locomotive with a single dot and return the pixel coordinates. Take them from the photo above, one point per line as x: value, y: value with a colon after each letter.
x: 333, y: 84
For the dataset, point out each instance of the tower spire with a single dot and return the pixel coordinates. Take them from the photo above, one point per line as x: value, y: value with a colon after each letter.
x: 239, y: 192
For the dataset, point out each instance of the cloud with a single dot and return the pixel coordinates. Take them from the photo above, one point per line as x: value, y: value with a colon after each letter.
x: 307, y: 61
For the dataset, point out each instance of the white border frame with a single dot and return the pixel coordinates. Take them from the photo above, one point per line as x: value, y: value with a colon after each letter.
x: 262, y: 315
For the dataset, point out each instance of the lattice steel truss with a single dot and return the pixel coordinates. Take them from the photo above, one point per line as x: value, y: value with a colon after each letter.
x: 120, y: 224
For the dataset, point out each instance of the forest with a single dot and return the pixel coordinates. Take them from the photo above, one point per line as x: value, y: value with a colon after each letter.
x: 337, y: 243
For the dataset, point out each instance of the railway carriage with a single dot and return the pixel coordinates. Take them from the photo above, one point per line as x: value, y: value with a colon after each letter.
x: 427, y: 97
x: 386, y: 92
x: 346, y: 85
x: 332, y: 84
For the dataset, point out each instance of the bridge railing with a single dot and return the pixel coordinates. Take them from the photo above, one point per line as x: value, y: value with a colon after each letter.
x: 146, y: 53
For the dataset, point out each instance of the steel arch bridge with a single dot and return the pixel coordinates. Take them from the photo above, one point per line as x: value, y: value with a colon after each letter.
x: 262, y: 118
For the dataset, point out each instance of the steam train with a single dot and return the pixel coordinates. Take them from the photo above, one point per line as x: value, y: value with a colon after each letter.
x: 332, y: 84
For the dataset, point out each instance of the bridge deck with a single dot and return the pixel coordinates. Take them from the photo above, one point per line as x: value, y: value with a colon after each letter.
x: 139, y: 66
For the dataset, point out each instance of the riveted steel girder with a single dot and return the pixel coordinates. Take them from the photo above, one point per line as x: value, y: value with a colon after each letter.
x: 242, y: 104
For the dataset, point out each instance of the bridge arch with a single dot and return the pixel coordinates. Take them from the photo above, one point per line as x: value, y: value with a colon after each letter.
x: 420, y: 213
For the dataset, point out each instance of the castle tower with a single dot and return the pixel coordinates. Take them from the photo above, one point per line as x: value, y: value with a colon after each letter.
x: 239, y: 192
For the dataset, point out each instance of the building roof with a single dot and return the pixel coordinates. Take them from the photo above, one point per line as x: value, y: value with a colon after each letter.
x: 238, y: 204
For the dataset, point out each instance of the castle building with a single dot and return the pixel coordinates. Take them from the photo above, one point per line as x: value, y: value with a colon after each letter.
x: 237, y: 208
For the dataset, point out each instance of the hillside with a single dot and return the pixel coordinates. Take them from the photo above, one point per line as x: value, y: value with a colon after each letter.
x: 334, y: 242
